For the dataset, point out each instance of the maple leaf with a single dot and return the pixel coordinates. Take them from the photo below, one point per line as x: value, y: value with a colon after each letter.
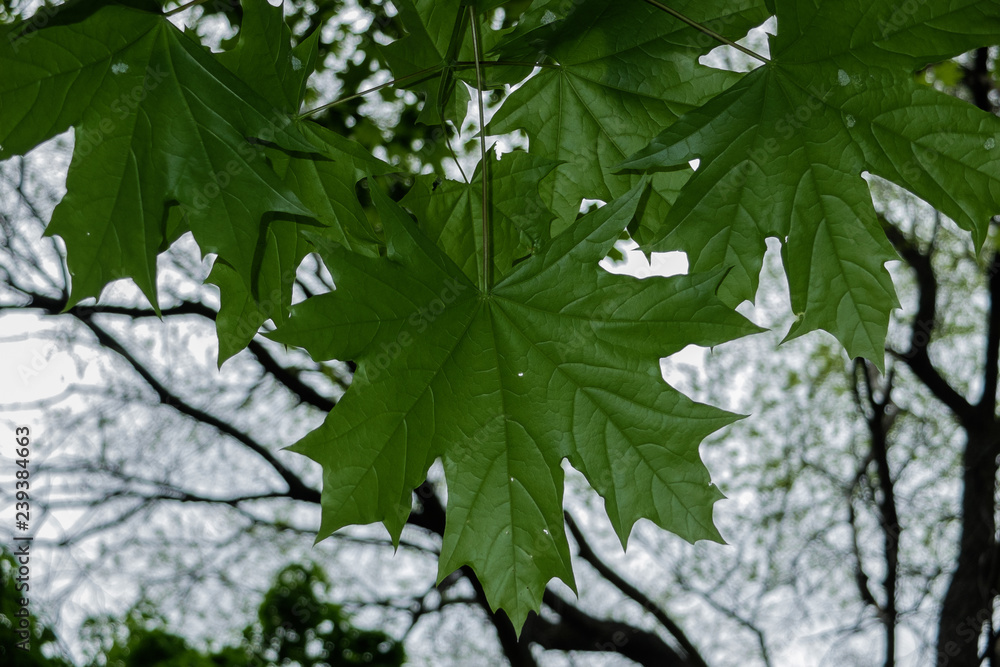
x: 265, y: 59
x: 325, y: 183
x: 158, y: 121
x: 782, y: 154
x: 559, y: 360
x: 612, y: 76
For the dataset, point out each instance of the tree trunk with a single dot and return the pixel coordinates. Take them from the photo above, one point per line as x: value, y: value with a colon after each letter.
x: 968, y: 604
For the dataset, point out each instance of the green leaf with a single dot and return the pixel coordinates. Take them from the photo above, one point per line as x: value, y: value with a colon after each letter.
x: 265, y: 59
x: 560, y: 360
x: 325, y: 183
x: 158, y: 121
x: 239, y: 316
x: 451, y: 212
x: 614, y: 74
x: 435, y: 32
x: 242, y: 311
x: 782, y: 153
x: 323, y: 180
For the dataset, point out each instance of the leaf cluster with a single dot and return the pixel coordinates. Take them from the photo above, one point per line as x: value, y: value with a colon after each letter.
x: 484, y: 332
x: 294, y: 625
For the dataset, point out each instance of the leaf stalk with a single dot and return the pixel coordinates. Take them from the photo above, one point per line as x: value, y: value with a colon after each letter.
x: 486, y: 280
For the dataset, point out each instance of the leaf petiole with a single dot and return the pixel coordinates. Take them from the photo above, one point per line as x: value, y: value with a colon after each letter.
x: 465, y: 64
x: 486, y: 279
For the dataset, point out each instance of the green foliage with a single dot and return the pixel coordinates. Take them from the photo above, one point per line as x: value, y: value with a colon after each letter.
x: 484, y: 331
x: 294, y: 626
x: 502, y: 385
x: 292, y: 619
x: 613, y: 75
x: 784, y: 149
x: 28, y: 650
x: 158, y: 121
x: 520, y: 217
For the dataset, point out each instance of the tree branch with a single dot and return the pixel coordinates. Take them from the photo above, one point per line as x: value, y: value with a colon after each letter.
x: 691, y: 653
x: 726, y: 611
x: 878, y: 417
x: 283, y: 375
x: 290, y: 379
x: 917, y: 357
x: 987, y: 405
x: 580, y: 631
x: 575, y: 631
x: 296, y: 488
x: 968, y: 603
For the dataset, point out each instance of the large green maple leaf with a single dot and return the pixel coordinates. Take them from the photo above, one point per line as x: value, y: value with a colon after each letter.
x: 782, y: 154
x: 158, y: 122
x: 613, y: 75
x: 559, y: 360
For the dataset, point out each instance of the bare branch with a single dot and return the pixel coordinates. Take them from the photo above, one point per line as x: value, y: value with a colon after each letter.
x: 297, y: 489
x: 691, y: 653
x: 917, y: 357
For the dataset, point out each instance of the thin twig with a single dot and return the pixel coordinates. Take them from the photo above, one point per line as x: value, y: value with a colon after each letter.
x: 424, y: 72
x: 466, y: 64
x: 708, y: 31
x: 189, y: 5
